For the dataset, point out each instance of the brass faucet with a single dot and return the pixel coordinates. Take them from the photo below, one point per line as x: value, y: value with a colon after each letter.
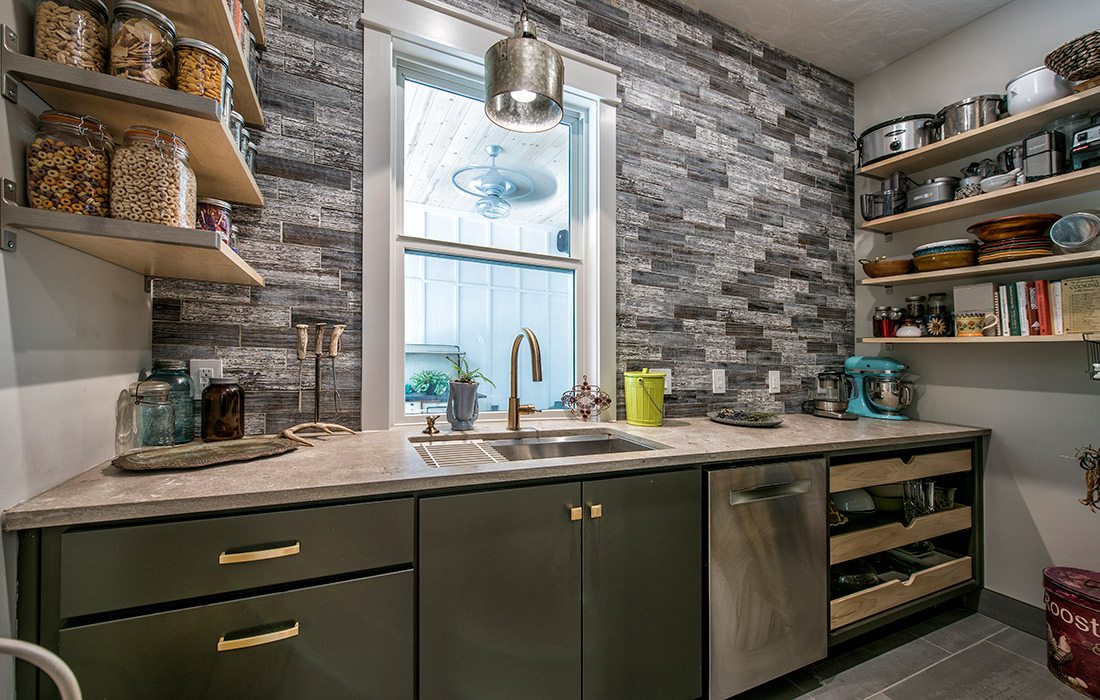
x: 514, y: 406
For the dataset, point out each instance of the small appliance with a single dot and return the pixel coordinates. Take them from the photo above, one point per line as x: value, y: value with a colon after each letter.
x: 935, y: 191
x: 896, y: 136
x: 1044, y: 155
x: 1086, y: 148
x: 834, y: 389
x: 877, y: 387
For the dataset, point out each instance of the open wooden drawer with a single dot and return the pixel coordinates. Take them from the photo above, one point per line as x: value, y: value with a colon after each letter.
x: 874, y: 472
x: 871, y: 540
x: 870, y: 601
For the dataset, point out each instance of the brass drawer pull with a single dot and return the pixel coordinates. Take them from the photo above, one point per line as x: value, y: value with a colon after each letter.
x: 576, y: 513
x: 596, y: 511
x: 258, y: 639
x: 260, y: 554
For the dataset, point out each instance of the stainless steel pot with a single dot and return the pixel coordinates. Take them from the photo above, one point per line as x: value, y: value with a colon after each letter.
x: 895, y: 136
x: 888, y: 394
x: 968, y: 114
x: 875, y: 205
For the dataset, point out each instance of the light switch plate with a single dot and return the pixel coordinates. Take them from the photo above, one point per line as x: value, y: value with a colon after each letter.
x: 668, y: 378
x: 773, y: 381
x: 202, y: 371
x: 718, y: 381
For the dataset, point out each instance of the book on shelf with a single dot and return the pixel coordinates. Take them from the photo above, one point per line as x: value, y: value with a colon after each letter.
x: 1021, y: 308
x: 1056, y: 307
x: 1081, y: 304
x: 1002, y: 316
x: 1042, y: 304
x: 1013, y: 310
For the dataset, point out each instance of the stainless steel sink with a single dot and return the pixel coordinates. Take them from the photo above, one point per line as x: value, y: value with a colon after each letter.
x: 565, y: 446
x: 454, y: 453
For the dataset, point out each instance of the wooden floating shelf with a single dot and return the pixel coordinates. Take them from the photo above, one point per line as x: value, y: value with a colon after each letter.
x: 1065, y: 185
x: 1048, y: 263
x: 1074, y: 338
x: 210, y: 21
x: 150, y: 249
x: 871, y: 540
x: 1000, y: 133
x: 120, y: 103
x: 257, y: 26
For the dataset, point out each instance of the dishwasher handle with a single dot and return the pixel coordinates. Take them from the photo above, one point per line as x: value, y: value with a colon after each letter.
x: 771, y: 491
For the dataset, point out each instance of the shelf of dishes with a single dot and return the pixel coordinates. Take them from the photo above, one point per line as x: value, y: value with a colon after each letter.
x: 1065, y: 185
x: 150, y: 249
x: 143, y: 43
x: 861, y: 473
x: 983, y: 138
x: 215, y: 155
x: 900, y: 588
x: 977, y: 339
x: 881, y: 537
x: 987, y: 270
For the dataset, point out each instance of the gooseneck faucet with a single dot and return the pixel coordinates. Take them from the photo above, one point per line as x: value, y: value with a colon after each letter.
x: 514, y: 406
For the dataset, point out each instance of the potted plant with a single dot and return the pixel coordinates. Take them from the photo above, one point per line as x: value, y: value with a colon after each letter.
x: 429, y: 381
x: 462, y: 408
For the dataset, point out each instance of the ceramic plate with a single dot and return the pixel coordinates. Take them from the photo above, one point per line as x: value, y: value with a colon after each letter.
x: 771, y: 423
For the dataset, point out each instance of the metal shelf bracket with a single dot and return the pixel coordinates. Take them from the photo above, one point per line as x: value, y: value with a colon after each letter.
x: 7, y: 235
x: 11, y: 85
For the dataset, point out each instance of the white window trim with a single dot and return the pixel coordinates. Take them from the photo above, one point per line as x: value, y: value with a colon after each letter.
x: 392, y: 26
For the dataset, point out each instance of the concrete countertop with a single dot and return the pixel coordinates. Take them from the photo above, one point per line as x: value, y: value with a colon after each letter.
x: 380, y: 463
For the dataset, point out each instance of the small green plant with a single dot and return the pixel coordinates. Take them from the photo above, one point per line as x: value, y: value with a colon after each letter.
x: 464, y: 374
x: 429, y: 381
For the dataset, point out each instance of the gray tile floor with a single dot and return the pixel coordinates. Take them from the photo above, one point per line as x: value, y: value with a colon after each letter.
x: 954, y: 655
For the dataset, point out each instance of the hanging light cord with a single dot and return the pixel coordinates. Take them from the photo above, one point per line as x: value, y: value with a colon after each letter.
x: 1089, y: 459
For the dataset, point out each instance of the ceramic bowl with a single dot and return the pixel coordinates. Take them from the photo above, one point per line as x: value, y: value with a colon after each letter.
x: 999, y: 182
x: 945, y: 260
x: 890, y: 504
x: 946, y: 246
x: 1004, y: 227
x: 886, y: 268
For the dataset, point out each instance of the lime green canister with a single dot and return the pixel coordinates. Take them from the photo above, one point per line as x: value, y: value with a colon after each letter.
x: 645, y: 397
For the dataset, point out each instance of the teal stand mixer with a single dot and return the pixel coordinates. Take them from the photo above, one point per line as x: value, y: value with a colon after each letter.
x: 877, y: 387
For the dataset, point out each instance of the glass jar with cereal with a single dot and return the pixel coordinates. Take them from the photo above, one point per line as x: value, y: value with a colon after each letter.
x: 141, y: 43
x: 151, y: 180
x: 201, y: 70
x: 68, y: 165
x: 73, y: 32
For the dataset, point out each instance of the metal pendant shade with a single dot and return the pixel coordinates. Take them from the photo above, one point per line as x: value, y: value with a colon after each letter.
x: 523, y: 81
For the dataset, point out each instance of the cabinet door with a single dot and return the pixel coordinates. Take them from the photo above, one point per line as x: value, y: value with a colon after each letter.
x: 500, y: 611
x: 351, y: 640
x: 643, y: 587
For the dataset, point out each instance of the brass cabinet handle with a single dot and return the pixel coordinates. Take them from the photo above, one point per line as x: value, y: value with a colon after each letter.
x: 596, y: 511
x: 258, y: 639
x: 576, y: 513
x: 260, y: 554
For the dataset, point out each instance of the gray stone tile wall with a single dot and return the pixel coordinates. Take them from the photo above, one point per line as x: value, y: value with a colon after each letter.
x: 734, y: 207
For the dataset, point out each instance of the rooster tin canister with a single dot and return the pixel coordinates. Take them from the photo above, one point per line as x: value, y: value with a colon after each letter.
x: 1072, y: 601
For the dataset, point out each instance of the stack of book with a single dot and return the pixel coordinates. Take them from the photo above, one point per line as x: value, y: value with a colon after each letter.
x: 1038, y: 307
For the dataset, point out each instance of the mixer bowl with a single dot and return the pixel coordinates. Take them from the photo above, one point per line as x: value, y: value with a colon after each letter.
x: 888, y: 394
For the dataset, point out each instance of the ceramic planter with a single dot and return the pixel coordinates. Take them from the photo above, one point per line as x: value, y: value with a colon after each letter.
x: 462, y: 408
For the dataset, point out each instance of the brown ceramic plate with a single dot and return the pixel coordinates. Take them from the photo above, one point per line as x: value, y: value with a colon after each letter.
x: 1013, y: 227
x: 945, y: 261
x: 204, y: 454
x: 887, y: 268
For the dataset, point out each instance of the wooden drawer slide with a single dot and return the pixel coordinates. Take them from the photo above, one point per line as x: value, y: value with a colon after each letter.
x: 860, y: 543
x: 888, y: 471
x: 856, y: 606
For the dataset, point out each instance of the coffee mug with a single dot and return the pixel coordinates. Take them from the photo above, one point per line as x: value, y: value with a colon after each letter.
x: 975, y: 323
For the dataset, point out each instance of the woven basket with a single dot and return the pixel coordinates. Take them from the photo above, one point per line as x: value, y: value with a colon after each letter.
x: 1078, y: 59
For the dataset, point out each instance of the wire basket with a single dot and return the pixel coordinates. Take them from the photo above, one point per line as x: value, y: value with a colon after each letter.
x: 1078, y: 59
x: 1093, y: 347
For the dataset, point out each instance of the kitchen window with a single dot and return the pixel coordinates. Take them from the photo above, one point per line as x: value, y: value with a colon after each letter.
x: 472, y: 232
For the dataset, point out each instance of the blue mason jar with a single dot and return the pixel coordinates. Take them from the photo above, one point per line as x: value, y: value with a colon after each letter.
x: 175, y: 374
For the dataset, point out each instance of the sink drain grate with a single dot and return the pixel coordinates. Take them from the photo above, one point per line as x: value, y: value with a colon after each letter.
x: 458, y: 454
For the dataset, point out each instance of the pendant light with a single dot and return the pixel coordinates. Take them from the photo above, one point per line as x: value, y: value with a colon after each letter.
x: 523, y: 81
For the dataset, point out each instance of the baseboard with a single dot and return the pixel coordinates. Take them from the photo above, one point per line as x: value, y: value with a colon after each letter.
x: 1014, y: 613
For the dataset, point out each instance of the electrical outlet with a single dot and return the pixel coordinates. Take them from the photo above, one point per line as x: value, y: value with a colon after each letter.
x: 668, y: 378
x: 202, y: 371
x: 773, y: 381
x: 718, y: 381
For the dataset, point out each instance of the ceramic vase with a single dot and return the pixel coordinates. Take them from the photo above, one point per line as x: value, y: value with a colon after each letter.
x: 462, y: 408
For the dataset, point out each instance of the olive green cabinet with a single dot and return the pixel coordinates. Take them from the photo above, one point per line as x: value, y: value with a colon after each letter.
x: 582, y: 589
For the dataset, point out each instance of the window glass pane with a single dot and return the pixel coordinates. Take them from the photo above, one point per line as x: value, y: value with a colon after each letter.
x: 455, y: 190
x: 474, y: 309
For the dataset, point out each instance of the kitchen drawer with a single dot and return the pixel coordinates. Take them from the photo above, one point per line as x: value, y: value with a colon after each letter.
x: 889, y: 470
x: 871, y: 601
x: 880, y: 538
x: 113, y: 568
x: 352, y: 639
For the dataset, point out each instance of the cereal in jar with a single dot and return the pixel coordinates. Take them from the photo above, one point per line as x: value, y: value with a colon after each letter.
x: 68, y: 165
x: 214, y: 215
x: 141, y: 43
x: 73, y: 32
x: 151, y: 180
x: 201, y: 70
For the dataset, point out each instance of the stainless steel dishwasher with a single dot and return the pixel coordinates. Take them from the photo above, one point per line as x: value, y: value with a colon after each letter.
x: 768, y: 588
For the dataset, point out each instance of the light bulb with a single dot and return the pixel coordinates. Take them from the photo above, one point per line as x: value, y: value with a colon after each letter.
x: 523, y: 96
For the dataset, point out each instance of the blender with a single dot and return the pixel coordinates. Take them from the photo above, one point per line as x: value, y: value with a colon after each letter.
x: 834, y: 388
x: 877, y: 387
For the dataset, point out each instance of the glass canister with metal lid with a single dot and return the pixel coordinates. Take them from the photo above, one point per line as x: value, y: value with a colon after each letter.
x: 144, y: 417
x: 222, y: 410
x: 69, y: 165
x: 227, y: 100
x: 181, y: 395
x: 201, y: 69
x: 938, y: 323
x: 141, y: 43
x: 236, y: 124
x: 215, y: 215
x: 72, y: 32
x: 151, y: 180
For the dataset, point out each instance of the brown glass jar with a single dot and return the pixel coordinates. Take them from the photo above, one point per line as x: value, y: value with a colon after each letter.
x: 222, y: 410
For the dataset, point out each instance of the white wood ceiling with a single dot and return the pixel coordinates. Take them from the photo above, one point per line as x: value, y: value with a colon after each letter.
x: 445, y: 132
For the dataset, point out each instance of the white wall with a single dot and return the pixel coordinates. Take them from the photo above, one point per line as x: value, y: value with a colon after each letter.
x: 1037, y: 399
x: 73, y: 332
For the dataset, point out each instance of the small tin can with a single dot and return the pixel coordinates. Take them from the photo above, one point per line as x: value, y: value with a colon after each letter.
x: 1072, y: 601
